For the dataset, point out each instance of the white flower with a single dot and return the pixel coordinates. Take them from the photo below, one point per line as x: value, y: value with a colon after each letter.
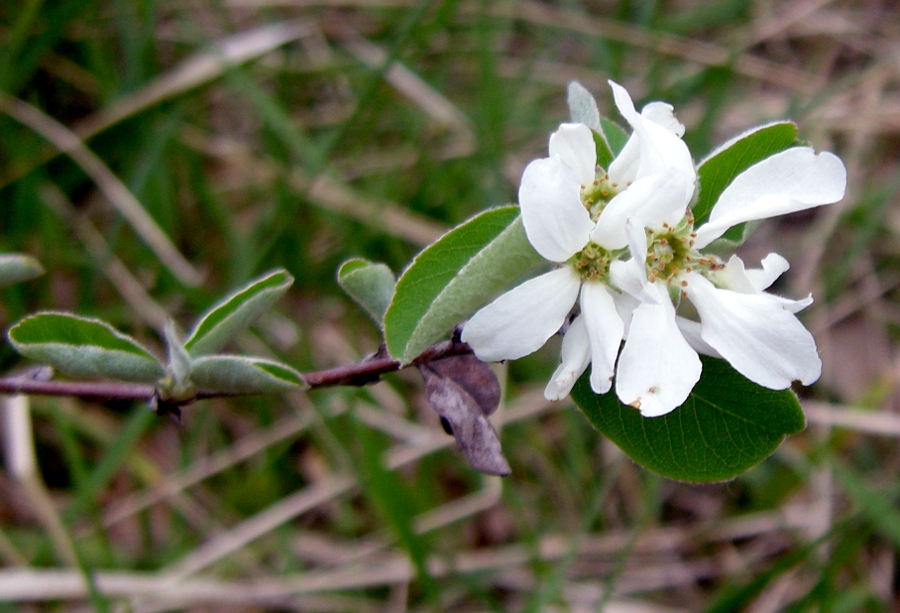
x: 756, y: 332
x: 574, y: 215
x: 628, y: 253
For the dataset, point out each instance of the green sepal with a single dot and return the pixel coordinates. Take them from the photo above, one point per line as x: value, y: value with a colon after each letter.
x: 237, y: 311
x: 727, y: 425
x: 16, y: 267
x: 719, y: 169
x: 614, y: 136
x: 605, y: 156
x: 84, y: 347
x: 371, y: 285
x: 452, y: 278
x: 237, y: 374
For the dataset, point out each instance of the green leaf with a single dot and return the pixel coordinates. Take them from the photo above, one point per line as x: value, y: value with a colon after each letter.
x: 452, y: 278
x: 229, y: 317
x: 237, y: 374
x: 177, y: 386
x: 83, y: 347
x: 605, y: 155
x: 614, y: 135
x: 15, y: 267
x: 609, y: 141
x: 720, y: 168
x: 370, y: 285
x: 727, y: 425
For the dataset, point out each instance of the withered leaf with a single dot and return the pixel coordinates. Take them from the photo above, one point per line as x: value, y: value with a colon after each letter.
x: 474, y: 376
x: 463, y: 391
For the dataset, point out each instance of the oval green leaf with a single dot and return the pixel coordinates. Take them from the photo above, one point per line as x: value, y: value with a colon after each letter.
x: 83, y: 347
x: 370, y: 285
x: 15, y: 267
x: 237, y: 374
x: 720, y: 167
x: 728, y: 425
x: 452, y: 278
x: 233, y: 314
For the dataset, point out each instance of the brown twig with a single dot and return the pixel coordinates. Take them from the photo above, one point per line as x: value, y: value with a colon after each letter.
x: 360, y: 373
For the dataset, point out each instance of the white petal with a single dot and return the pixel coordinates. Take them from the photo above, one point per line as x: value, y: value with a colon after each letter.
x: 794, y: 306
x: 663, y: 114
x: 624, y: 168
x: 691, y: 332
x: 659, y: 147
x: 575, y: 357
x: 773, y: 266
x: 625, y: 306
x: 574, y: 143
x: 753, y: 281
x: 658, y: 368
x: 737, y: 278
x: 654, y: 200
x: 673, y: 153
x: 605, y: 330
x: 520, y: 321
x: 624, y: 102
x: 757, y: 333
x: 630, y: 276
x: 790, y: 181
x: 556, y: 222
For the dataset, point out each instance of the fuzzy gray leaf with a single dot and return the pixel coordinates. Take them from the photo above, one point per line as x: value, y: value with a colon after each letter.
x: 583, y: 107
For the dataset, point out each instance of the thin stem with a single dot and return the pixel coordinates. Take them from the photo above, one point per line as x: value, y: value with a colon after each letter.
x: 360, y: 373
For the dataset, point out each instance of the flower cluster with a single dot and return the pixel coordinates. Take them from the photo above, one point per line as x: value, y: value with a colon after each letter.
x: 628, y: 254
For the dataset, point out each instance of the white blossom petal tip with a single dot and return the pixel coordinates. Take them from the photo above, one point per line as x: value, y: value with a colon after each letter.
x: 623, y: 101
x: 574, y: 143
x: 556, y: 222
x: 605, y: 330
x: 657, y: 368
x: 575, y: 357
x: 663, y: 114
x: 520, y: 321
x: 793, y: 180
x: 758, y: 334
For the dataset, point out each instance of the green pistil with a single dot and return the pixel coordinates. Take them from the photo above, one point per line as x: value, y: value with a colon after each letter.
x: 598, y: 194
x: 592, y: 262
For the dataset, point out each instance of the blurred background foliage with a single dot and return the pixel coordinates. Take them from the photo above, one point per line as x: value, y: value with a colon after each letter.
x: 264, y: 133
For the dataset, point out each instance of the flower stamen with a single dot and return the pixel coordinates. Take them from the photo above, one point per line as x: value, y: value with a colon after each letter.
x: 592, y: 262
x: 671, y: 253
x: 597, y: 195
